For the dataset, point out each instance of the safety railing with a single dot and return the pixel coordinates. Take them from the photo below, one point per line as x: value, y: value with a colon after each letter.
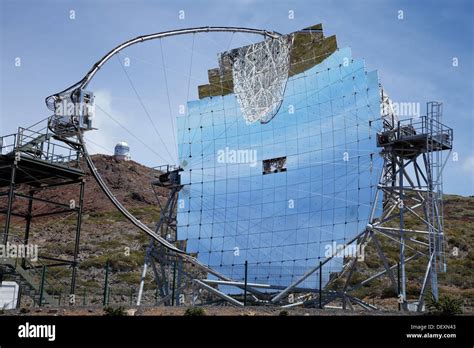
x: 425, y: 125
x: 39, y: 144
x: 7, y: 143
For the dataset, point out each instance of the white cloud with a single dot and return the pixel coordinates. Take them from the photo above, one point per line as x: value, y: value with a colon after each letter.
x: 104, y: 138
x: 468, y: 165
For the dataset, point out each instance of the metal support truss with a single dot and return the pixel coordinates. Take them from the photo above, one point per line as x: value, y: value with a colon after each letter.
x: 409, y: 195
x: 166, y: 228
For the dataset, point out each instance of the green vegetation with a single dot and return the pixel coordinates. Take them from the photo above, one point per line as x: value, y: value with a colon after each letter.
x: 195, y: 311
x: 133, y: 278
x: 112, y: 311
x: 118, y: 261
x: 446, y: 305
x: 88, y: 284
x: 389, y: 292
x: 114, y: 215
x: 147, y: 214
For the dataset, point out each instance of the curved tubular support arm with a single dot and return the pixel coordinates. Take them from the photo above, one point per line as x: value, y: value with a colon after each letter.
x: 82, y: 84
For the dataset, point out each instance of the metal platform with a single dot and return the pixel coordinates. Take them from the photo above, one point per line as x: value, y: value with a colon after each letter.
x: 36, y: 172
x: 416, y: 135
x: 39, y: 158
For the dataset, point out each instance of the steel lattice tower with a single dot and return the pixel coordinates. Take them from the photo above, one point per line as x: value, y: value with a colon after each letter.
x: 411, y: 185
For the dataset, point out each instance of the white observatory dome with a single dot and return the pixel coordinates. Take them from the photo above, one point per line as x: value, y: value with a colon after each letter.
x: 122, y: 151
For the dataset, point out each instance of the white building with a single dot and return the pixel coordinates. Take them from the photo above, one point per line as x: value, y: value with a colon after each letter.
x: 122, y: 151
x: 8, y: 294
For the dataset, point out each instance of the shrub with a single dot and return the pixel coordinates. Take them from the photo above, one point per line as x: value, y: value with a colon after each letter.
x: 389, y: 292
x: 413, y: 289
x: 371, y: 262
x: 283, y: 313
x: 195, y: 311
x: 114, y: 311
x: 446, y: 305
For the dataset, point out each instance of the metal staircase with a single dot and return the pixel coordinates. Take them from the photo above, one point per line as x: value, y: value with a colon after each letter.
x: 31, y: 281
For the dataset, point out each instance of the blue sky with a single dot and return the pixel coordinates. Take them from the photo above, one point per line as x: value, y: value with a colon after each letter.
x: 414, y: 57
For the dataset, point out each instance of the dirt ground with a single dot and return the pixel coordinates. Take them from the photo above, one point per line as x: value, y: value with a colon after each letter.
x: 208, y: 310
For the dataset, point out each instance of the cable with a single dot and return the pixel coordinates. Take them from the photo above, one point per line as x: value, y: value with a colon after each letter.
x: 129, y: 132
x: 168, y: 95
x: 143, y: 106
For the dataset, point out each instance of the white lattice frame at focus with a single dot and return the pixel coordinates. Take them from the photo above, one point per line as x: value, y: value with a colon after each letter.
x: 260, y: 73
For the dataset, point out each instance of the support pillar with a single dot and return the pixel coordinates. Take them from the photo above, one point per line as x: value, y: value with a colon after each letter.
x: 78, y: 237
x: 11, y: 194
x: 401, y: 207
x: 29, y: 217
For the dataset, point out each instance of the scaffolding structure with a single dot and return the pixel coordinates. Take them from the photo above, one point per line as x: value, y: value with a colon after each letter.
x: 166, y: 228
x: 411, y: 185
x: 32, y: 163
